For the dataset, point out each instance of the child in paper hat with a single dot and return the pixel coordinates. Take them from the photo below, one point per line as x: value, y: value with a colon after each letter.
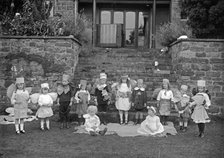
x: 65, y: 100
x: 165, y: 99
x: 139, y: 100
x: 45, y: 103
x: 19, y: 100
x: 184, y: 110
x: 82, y: 98
x: 102, y: 97
x: 200, y: 103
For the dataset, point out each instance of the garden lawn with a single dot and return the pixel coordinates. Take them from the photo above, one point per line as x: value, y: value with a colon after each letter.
x: 63, y: 143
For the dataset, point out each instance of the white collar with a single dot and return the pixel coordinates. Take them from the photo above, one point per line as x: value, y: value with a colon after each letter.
x: 137, y: 88
x: 101, y: 86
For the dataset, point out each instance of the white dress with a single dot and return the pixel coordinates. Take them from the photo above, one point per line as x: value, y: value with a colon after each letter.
x: 123, y: 97
x: 45, y: 102
x: 151, y: 126
x: 92, y: 123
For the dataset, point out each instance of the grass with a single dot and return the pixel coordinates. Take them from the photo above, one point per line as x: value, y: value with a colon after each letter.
x: 58, y: 143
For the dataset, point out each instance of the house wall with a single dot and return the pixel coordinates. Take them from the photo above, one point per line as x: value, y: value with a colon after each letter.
x: 196, y: 59
x: 40, y: 59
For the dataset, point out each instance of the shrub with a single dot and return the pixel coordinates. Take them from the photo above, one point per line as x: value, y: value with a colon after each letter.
x: 169, y: 32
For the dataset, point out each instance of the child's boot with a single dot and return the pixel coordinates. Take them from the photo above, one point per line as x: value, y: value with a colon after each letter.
x: 136, y: 121
x: 67, y: 125
x: 62, y: 125
x: 102, y: 133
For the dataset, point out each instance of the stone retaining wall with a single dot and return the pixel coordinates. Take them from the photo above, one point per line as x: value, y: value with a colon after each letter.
x: 195, y: 59
x: 38, y: 59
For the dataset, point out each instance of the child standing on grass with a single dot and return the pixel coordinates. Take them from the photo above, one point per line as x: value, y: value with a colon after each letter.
x: 45, y: 103
x: 92, y: 122
x: 123, y: 96
x: 139, y: 100
x: 151, y: 125
x: 65, y: 99
x: 82, y: 97
x: 201, y: 103
x: 184, y: 110
x: 20, y: 98
x: 102, y: 96
x: 165, y: 100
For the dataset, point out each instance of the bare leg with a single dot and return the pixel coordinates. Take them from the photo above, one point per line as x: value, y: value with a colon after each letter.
x: 17, y: 126
x: 121, y: 116
x: 126, y: 117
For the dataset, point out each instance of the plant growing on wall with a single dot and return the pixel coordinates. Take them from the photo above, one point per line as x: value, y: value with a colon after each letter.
x: 169, y: 32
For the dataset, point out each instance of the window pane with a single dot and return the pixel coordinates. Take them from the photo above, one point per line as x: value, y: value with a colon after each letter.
x: 105, y: 17
x: 118, y: 17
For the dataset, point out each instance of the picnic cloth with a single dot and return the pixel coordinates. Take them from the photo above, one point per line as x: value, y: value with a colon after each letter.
x: 7, y: 119
x: 129, y: 130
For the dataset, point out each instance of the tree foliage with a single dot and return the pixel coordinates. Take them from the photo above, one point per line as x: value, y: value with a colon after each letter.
x: 205, y: 17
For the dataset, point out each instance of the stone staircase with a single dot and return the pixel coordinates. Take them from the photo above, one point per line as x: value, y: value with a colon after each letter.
x: 134, y: 62
x: 118, y: 61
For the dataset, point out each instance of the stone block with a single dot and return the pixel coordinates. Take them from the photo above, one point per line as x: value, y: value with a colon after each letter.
x: 213, y: 74
x: 205, y: 67
x: 201, y: 54
x: 197, y: 49
x: 214, y: 88
x: 218, y: 67
x: 218, y: 101
x: 195, y: 66
x: 63, y: 44
x: 213, y: 54
x: 220, y: 94
x: 187, y: 54
x: 216, y: 60
x: 211, y: 49
x: 221, y: 83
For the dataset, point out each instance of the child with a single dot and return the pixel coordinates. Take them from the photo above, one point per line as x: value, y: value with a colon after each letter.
x: 165, y: 99
x: 139, y: 99
x: 183, y: 108
x: 151, y: 125
x: 123, y: 98
x: 102, y: 96
x: 65, y: 99
x: 92, y: 122
x: 20, y: 98
x: 45, y: 102
x: 82, y: 97
x: 201, y: 102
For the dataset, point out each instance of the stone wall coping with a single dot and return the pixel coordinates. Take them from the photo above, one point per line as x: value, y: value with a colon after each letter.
x: 41, y: 37
x: 196, y: 40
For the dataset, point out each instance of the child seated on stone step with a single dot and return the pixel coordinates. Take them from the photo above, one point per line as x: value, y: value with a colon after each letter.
x: 92, y: 122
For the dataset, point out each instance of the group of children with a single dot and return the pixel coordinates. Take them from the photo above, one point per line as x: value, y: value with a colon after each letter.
x: 125, y: 97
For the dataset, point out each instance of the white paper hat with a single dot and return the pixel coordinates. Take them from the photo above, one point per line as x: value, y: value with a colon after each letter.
x: 45, y: 85
x: 201, y: 83
x: 166, y: 81
x: 184, y: 87
x: 20, y: 80
x: 103, y: 76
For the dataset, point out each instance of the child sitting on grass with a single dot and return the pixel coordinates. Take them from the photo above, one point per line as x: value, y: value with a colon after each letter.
x: 151, y: 125
x: 92, y: 122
